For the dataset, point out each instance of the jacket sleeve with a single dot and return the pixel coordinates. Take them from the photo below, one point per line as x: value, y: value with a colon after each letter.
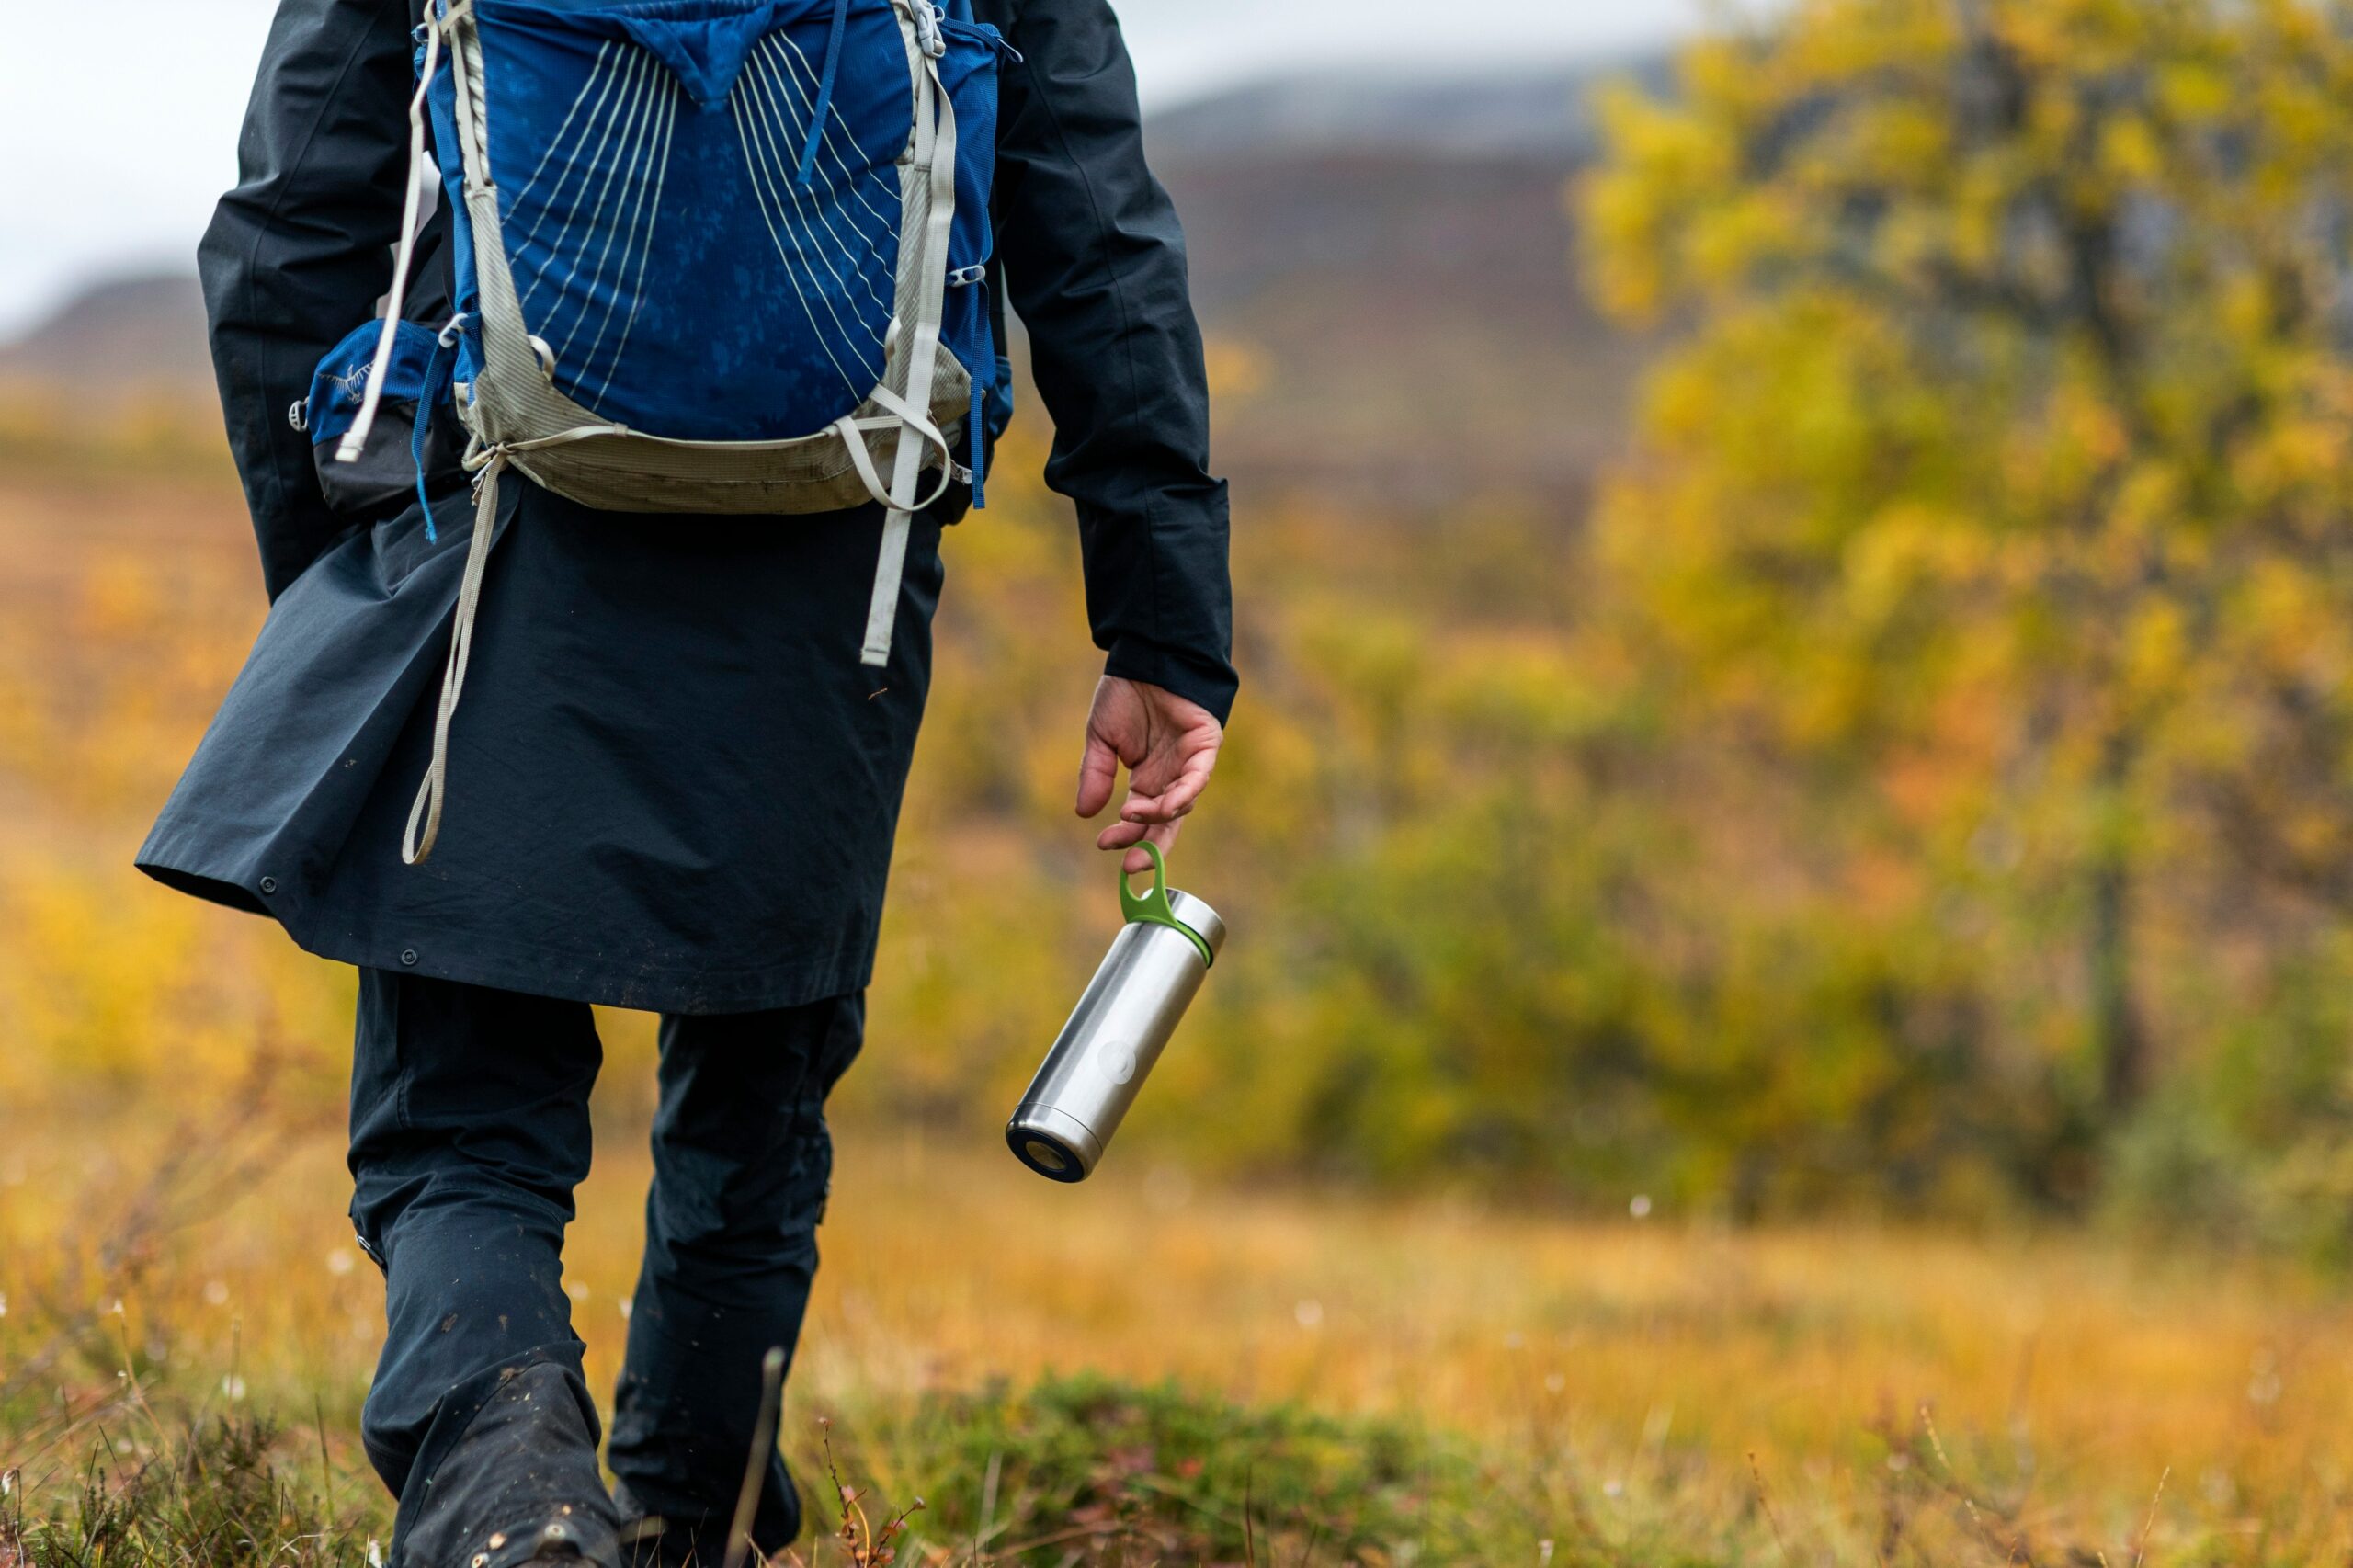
x: 1095, y: 266
x: 297, y: 254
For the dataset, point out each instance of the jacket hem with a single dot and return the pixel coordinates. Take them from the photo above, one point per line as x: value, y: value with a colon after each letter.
x: 534, y: 970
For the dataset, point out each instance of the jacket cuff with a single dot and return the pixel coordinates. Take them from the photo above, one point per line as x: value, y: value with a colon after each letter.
x: 1207, y: 681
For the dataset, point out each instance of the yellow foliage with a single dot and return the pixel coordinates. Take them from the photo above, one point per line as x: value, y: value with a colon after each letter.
x: 2010, y: 457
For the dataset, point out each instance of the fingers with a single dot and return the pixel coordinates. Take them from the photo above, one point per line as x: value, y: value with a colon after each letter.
x: 1099, y: 770
x: 1178, y: 798
x: 1169, y: 747
x: 1127, y: 835
x: 1164, y: 835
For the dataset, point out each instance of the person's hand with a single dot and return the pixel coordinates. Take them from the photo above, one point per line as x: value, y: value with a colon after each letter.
x: 1169, y: 746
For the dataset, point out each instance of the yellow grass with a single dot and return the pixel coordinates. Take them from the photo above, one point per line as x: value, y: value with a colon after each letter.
x: 1642, y: 1353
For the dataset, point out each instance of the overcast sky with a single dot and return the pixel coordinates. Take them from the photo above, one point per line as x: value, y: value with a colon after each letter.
x: 120, y: 116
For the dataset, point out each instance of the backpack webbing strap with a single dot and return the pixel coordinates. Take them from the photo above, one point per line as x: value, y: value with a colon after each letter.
x: 356, y: 438
x: 852, y: 430
x: 425, y: 817
x: 935, y: 155
x: 808, y: 169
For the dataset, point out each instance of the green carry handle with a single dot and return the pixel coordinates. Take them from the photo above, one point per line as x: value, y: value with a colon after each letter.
x: 1152, y: 908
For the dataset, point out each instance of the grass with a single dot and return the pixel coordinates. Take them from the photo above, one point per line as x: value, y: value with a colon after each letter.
x: 1079, y: 1468
x: 1090, y: 1470
x: 222, y: 1490
x: 1141, y: 1371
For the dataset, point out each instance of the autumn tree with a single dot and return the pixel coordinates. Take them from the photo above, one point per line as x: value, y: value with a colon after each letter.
x: 2001, y: 479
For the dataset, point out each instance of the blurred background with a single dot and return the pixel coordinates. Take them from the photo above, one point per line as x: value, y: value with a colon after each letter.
x: 1788, y: 833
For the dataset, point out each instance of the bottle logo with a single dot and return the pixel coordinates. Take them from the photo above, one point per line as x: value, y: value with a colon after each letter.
x: 1117, y: 1061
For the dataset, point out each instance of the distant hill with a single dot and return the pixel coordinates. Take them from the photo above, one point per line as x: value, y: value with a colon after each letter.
x: 120, y: 334
x: 1395, y: 259
x: 1419, y: 319
x: 1401, y: 255
x: 1542, y: 113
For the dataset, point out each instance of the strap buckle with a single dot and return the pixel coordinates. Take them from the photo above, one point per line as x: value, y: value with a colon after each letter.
x: 928, y: 34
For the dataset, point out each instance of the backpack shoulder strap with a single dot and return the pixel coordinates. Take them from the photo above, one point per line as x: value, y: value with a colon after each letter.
x: 934, y: 164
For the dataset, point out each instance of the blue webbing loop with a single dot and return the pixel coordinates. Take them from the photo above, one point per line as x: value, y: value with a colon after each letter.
x: 980, y: 456
x: 440, y: 371
x: 976, y: 276
x: 825, y: 92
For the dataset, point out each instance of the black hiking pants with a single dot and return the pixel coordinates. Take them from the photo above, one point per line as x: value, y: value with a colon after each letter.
x: 470, y: 1129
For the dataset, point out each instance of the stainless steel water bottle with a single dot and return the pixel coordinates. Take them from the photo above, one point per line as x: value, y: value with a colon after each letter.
x: 1130, y: 1009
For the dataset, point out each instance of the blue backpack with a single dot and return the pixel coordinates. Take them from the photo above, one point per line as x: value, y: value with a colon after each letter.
x: 713, y: 256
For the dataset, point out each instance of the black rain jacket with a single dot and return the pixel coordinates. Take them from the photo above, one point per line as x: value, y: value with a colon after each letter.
x: 672, y: 784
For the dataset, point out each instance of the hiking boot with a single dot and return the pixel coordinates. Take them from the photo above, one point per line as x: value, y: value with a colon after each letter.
x: 643, y: 1545
x: 520, y: 1487
x: 652, y: 1541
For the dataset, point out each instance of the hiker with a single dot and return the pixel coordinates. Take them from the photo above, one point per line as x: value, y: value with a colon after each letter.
x: 673, y: 781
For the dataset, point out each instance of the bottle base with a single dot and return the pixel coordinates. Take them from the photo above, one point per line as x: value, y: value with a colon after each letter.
x: 1053, y: 1143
